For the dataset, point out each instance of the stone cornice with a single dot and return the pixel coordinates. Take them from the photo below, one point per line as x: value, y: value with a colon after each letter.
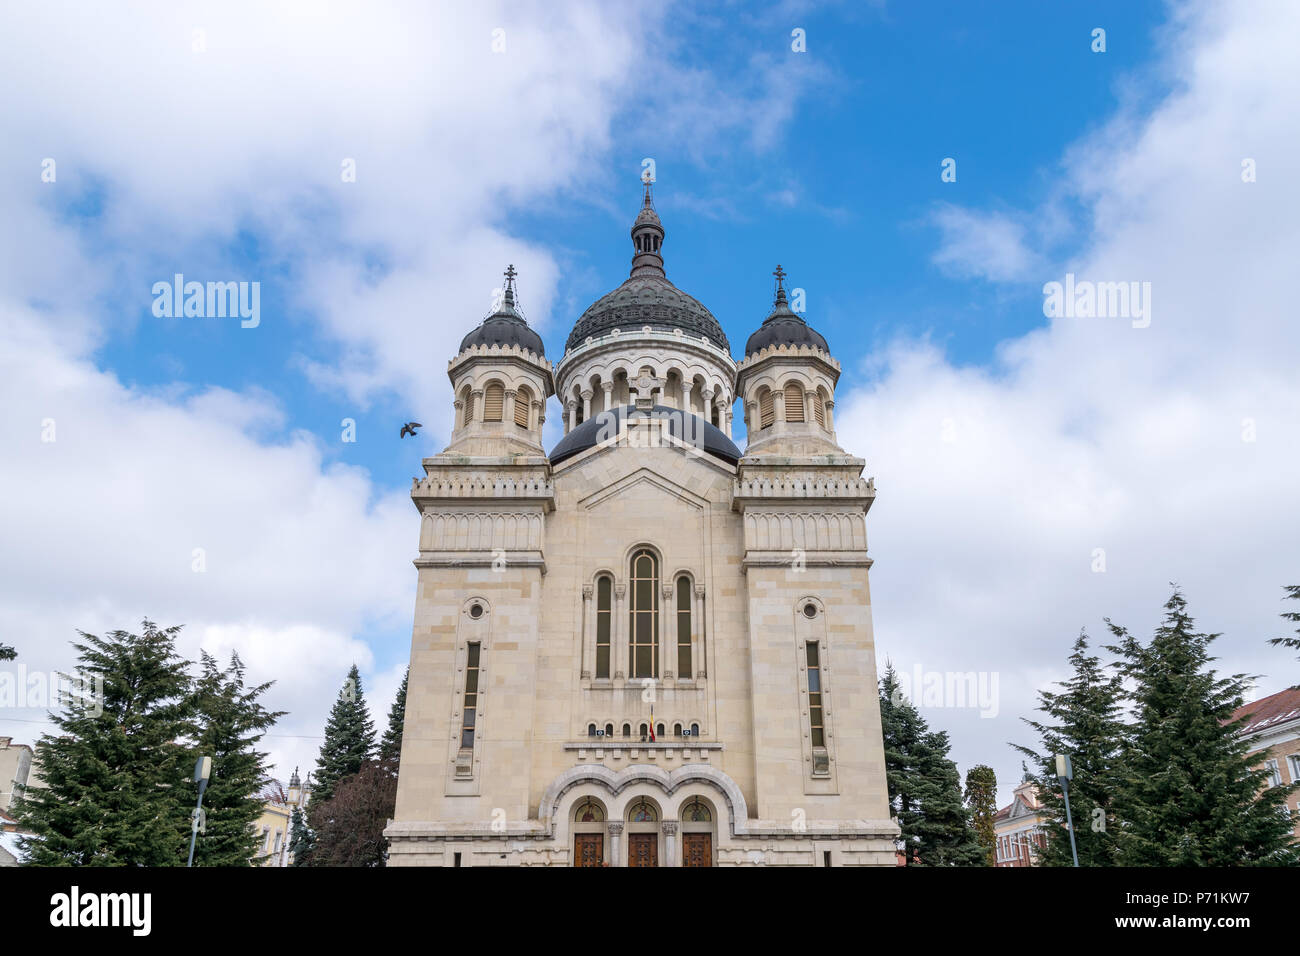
x: 780, y: 353
x: 762, y: 489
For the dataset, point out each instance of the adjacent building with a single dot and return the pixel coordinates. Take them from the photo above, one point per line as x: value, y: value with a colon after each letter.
x: 1272, y: 728
x: 275, y: 826
x: 645, y: 647
x: 1019, y: 827
x: 15, y: 770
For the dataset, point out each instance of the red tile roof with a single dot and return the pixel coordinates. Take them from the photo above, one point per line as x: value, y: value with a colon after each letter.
x: 1269, y: 711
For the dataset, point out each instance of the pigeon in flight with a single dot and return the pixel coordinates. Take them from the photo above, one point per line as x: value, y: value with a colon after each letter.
x: 409, y: 429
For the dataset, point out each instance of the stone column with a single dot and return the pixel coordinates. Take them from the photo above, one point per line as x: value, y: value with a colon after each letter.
x: 460, y: 413
x: 588, y: 629
x: 608, y: 388
x: 752, y: 419
x: 686, y: 395
x: 615, y: 854
x: 778, y: 409
x: 670, y: 842
x: 668, y: 626
x: 809, y: 411
x: 619, y: 637
x: 586, y: 394
x: 830, y: 415
x: 726, y: 417
x: 476, y: 404
x: 571, y: 419
x: 508, y: 406
x: 539, y: 414
x: 707, y: 394
x: 697, y: 638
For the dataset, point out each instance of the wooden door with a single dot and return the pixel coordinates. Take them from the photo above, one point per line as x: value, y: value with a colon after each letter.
x: 697, y: 849
x: 642, y: 849
x: 589, y: 849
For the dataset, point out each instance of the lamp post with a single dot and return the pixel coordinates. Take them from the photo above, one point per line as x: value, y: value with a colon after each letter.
x: 1065, y: 773
x: 202, y: 771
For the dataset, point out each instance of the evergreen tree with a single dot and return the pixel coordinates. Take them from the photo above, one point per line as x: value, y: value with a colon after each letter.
x: 982, y: 799
x: 1292, y: 591
x: 117, y: 789
x: 300, y: 838
x: 1186, y: 792
x: 351, y: 831
x: 1082, y: 721
x: 349, y: 740
x: 230, y: 722
x: 390, y: 748
x: 924, y: 785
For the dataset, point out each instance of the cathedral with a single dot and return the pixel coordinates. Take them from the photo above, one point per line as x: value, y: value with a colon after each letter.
x: 644, y: 647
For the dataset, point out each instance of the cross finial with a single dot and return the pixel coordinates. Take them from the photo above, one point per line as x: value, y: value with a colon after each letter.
x: 510, y: 286
x: 780, y: 287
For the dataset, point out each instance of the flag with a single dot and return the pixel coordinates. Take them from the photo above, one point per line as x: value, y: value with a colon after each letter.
x: 652, y: 723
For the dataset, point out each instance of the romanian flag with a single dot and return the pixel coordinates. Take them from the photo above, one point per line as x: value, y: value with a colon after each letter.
x: 652, y: 723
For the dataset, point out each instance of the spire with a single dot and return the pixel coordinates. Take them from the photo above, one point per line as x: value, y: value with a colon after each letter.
x: 647, y: 236
x: 781, y: 306
x: 510, y: 287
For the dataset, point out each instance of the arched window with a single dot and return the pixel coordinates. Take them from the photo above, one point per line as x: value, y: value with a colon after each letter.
x: 819, y: 408
x: 695, y: 730
x: 644, y: 630
x: 494, y: 397
x: 677, y: 730
x: 683, y: 627
x: 609, y: 730
x: 523, y: 407
x: 794, y: 402
x: 645, y: 731
x: 643, y: 811
x: 766, y: 409
x: 466, y: 406
x: 659, y: 731
x: 604, y: 587
x: 589, y: 811
x: 591, y: 730
x: 627, y: 730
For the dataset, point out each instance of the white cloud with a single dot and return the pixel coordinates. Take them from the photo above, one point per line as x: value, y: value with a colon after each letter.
x: 991, y: 246
x: 1092, y: 434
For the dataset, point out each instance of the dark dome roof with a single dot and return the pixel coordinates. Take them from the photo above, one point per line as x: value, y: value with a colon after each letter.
x: 505, y: 326
x: 784, y: 327
x: 605, y: 425
x: 501, y: 329
x: 647, y: 300
x: 647, y: 297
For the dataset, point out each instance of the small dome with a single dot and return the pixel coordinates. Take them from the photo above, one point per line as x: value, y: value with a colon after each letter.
x: 605, y: 425
x: 505, y: 326
x: 783, y: 326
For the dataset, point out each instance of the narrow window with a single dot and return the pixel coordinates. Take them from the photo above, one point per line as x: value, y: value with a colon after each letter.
x: 695, y: 730
x: 591, y: 730
x: 523, y: 399
x: 645, y: 732
x: 677, y: 730
x: 493, y: 399
x: 766, y: 410
x: 471, y: 698
x: 644, y: 639
x: 659, y: 731
x: 466, y: 407
x: 794, y: 402
x: 683, y: 628
x: 609, y: 730
x: 819, y: 410
x: 456, y: 859
x: 815, y: 696
x: 826, y: 857
x: 627, y: 730
x: 604, y: 587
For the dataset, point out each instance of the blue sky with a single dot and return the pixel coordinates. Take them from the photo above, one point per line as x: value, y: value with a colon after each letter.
x: 207, y: 139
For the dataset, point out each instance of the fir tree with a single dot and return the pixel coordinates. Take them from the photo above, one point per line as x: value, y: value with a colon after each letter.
x: 1186, y: 792
x: 116, y: 777
x: 981, y: 798
x: 924, y: 785
x: 230, y: 722
x: 1292, y: 591
x: 1082, y: 721
x: 349, y: 739
x: 300, y: 838
x: 390, y: 747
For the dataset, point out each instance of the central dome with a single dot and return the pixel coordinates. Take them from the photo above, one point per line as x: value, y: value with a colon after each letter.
x: 647, y: 297
x: 647, y: 300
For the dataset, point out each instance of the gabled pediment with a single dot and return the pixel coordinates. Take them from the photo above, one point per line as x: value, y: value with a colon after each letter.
x: 640, y: 478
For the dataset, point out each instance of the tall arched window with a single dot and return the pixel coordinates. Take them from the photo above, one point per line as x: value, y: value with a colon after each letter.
x: 819, y: 408
x: 644, y: 630
x: 523, y: 406
x: 494, y: 397
x: 603, y: 620
x: 466, y: 406
x: 683, y: 628
x: 766, y: 409
x: 794, y: 402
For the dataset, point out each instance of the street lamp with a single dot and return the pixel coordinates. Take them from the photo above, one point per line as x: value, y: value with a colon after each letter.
x: 1064, y: 773
x: 202, y: 771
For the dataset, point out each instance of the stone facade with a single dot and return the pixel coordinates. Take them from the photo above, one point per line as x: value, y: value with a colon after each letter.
x: 651, y: 650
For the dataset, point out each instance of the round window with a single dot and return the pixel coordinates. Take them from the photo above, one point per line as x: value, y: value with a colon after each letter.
x: 810, y: 610
x: 476, y: 611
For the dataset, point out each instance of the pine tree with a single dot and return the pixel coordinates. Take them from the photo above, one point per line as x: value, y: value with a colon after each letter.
x: 1292, y: 591
x: 301, y: 842
x: 116, y: 776
x: 390, y: 748
x: 230, y: 721
x: 1083, y: 721
x: 981, y: 798
x: 349, y: 739
x: 1186, y: 791
x: 924, y: 785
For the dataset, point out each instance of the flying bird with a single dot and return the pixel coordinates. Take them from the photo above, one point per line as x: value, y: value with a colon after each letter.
x: 409, y: 429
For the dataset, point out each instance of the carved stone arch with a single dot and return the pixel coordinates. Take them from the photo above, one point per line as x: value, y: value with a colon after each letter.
x: 597, y: 778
